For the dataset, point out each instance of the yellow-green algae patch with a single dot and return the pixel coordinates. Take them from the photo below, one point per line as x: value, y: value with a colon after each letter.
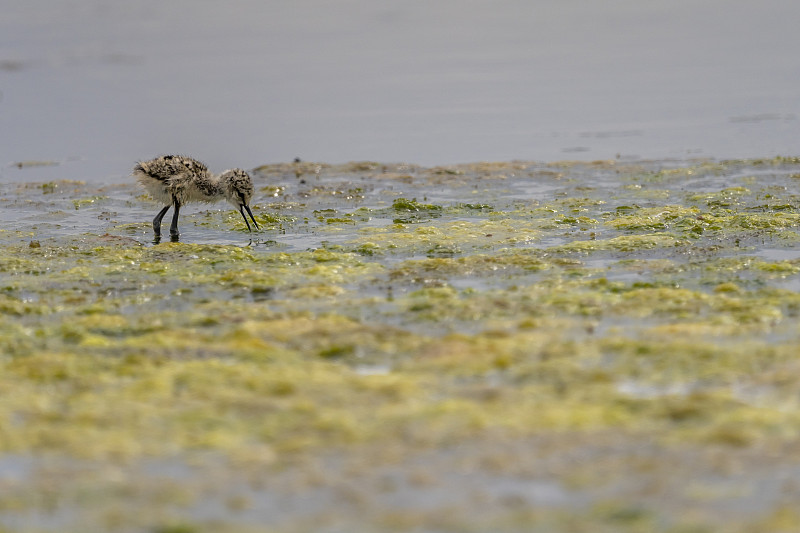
x: 449, y: 239
x: 387, y: 316
x: 651, y: 218
x: 623, y: 243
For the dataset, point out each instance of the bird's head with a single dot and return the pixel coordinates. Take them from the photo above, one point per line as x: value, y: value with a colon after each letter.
x: 238, y: 189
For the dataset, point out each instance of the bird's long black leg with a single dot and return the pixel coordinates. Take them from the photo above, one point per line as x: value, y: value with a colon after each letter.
x: 157, y: 221
x: 173, y: 229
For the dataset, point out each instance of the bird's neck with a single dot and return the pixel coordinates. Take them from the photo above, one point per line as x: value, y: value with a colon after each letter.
x: 210, y: 186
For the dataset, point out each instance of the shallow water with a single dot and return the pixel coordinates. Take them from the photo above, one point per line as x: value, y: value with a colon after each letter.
x: 493, y: 346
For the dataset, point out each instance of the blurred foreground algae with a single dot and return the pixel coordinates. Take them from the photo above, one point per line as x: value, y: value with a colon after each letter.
x: 568, y: 333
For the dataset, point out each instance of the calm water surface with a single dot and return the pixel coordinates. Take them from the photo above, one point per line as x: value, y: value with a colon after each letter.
x: 95, y: 86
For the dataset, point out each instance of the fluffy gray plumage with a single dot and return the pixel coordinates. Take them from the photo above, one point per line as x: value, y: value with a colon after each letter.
x: 176, y: 180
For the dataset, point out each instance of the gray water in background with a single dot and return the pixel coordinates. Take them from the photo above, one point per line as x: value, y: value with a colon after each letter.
x: 96, y: 85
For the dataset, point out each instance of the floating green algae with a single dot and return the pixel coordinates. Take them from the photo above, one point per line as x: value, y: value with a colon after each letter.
x: 543, y: 323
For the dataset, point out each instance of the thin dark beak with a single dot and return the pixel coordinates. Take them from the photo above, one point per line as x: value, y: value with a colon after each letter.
x: 241, y: 212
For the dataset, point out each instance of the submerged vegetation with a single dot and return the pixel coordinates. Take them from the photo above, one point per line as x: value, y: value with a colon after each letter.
x: 568, y: 333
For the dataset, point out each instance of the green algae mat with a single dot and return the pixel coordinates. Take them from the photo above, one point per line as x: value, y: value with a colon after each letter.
x: 583, y: 347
